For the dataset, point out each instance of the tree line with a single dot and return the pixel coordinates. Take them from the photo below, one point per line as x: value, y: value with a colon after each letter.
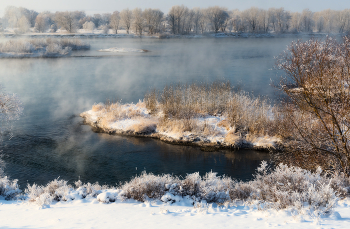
x: 181, y: 20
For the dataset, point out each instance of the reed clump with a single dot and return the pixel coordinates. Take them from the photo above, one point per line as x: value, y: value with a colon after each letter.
x: 185, y: 102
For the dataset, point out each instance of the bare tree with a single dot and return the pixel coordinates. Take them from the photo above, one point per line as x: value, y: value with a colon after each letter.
x: 319, y: 106
x: 217, y: 17
x: 176, y: 16
x: 295, y: 23
x: 197, y: 16
x: 114, y: 21
x: 89, y: 25
x: 126, y: 19
x: 23, y: 25
x: 319, y: 22
x: 138, y: 21
x: 306, y: 19
x: 251, y: 17
x: 342, y: 19
x: 42, y: 22
x: 153, y: 19
x: 66, y: 20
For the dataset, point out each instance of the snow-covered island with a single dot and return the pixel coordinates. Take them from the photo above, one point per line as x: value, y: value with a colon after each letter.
x: 45, y: 47
x: 210, y: 116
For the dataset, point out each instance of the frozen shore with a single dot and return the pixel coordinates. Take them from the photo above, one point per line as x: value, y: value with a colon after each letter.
x: 208, y: 131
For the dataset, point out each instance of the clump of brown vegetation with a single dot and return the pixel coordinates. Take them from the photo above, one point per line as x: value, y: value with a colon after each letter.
x: 180, y: 104
x: 316, y: 114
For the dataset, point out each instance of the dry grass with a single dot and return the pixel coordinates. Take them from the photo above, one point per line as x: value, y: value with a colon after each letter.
x: 186, y: 102
x: 232, y: 138
x: 97, y: 107
x: 177, y: 126
x: 225, y: 123
x: 143, y: 125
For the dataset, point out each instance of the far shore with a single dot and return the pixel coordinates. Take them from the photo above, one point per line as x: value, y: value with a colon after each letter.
x: 123, y: 34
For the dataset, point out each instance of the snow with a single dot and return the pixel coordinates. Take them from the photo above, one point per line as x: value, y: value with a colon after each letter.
x: 123, y: 50
x: 90, y: 213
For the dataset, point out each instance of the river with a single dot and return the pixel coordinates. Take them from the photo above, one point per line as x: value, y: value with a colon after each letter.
x: 50, y: 140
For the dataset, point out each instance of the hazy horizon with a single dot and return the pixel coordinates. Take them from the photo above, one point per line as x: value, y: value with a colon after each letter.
x: 108, y: 6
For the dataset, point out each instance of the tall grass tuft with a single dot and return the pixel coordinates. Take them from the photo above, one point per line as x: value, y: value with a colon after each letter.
x: 187, y: 101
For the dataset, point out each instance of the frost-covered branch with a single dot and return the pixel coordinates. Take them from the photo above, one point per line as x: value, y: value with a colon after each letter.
x: 10, y: 109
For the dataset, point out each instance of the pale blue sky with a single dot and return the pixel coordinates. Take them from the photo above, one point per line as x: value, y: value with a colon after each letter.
x: 101, y: 6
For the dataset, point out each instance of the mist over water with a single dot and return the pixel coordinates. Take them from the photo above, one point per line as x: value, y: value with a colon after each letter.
x: 50, y: 141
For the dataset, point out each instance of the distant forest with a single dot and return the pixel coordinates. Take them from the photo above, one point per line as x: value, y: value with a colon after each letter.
x: 180, y: 20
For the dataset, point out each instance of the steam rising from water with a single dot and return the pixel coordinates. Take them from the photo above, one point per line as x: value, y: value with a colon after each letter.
x: 49, y: 139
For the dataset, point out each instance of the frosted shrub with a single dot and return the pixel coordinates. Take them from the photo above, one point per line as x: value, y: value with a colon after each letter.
x: 210, y: 188
x: 9, y: 188
x: 215, y: 189
x: 59, y: 190
x: 57, y: 49
x: 290, y: 187
x: 148, y: 186
x: 92, y: 190
x: 184, y: 102
x: 55, y: 190
x: 284, y: 187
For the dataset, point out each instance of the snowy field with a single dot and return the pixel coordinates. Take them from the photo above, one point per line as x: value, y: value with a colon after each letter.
x: 90, y: 213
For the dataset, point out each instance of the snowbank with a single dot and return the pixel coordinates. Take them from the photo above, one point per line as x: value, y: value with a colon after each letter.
x: 124, y: 50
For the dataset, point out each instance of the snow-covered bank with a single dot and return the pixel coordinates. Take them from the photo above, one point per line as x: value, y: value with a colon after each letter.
x: 40, y: 48
x: 90, y: 213
x: 288, y: 197
x: 81, y: 33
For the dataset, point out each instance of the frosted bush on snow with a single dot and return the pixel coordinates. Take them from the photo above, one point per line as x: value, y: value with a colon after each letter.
x: 8, y: 188
x: 281, y: 188
x: 59, y: 190
x: 292, y: 187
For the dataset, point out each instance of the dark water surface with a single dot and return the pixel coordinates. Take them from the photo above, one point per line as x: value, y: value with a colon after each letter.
x: 50, y: 141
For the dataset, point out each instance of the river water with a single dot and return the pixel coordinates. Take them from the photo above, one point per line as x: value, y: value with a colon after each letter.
x: 50, y: 141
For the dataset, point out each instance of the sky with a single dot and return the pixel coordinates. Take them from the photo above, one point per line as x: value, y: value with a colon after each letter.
x: 104, y: 6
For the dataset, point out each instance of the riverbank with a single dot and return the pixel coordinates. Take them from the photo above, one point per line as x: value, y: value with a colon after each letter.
x: 122, y: 34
